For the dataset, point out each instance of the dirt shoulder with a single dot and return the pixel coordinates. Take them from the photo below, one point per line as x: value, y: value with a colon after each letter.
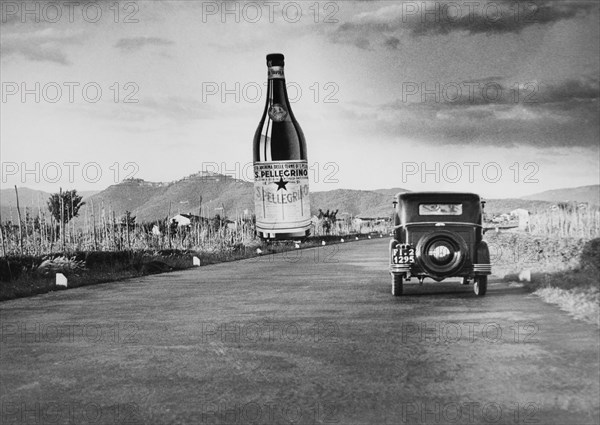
x: 561, y: 271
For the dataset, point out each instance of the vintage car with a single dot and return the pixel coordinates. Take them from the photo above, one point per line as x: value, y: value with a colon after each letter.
x: 439, y: 235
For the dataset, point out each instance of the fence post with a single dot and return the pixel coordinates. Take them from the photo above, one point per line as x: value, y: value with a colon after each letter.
x: 20, y: 229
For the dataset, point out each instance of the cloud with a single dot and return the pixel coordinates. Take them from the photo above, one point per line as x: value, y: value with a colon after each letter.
x: 9, y: 18
x: 546, y: 115
x: 137, y: 43
x: 435, y: 18
x: 571, y: 90
x: 152, y: 109
x: 170, y: 114
x: 177, y: 108
x: 36, y: 53
x: 494, y: 91
x: 495, y: 17
x: 46, y: 45
x: 392, y: 43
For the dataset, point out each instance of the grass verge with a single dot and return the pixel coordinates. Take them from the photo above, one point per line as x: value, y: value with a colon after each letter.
x: 581, y: 303
x: 24, y: 276
x: 575, y: 288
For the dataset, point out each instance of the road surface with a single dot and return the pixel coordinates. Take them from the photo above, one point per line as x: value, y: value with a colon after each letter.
x: 313, y: 336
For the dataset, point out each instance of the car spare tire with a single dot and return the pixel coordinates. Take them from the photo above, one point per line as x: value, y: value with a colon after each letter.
x: 441, y: 253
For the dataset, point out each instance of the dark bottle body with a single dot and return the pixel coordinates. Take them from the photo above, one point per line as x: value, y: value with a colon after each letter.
x: 281, y: 194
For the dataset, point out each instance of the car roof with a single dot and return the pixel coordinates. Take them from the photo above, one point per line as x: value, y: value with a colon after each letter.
x: 437, y: 196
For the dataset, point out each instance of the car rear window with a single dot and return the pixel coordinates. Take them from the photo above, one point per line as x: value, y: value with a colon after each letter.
x: 440, y: 209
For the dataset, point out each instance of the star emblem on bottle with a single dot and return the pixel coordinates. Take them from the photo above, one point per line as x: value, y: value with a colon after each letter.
x: 281, y: 184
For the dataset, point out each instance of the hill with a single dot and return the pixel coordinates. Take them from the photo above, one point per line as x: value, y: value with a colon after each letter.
x: 499, y: 206
x: 29, y: 200
x: 589, y: 194
x: 151, y: 201
x: 209, y: 194
x: 362, y: 203
x: 391, y: 192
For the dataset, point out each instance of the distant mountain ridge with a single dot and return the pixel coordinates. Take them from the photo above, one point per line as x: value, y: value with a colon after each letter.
x: 589, y: 194
x: 208, y: 194
x: 31, y: 200
x: 391, y: 192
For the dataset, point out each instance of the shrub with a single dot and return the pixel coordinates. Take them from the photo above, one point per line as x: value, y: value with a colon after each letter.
x: 60, y: 264
x: 590, y: 256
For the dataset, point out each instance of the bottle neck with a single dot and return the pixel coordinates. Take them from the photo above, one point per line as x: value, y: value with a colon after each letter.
x: 276, y: 72
x: 277, y: 90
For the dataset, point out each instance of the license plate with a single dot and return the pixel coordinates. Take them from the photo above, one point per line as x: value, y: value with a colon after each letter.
x: 403, y: 254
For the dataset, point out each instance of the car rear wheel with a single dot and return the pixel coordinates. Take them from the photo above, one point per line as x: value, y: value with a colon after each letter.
x: 397, y: 284
x: 441, y: 253
x: 480, y: 286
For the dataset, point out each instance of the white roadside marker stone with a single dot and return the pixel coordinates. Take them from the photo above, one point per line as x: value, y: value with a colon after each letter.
x: 525, y: 275
x: 61, y: 280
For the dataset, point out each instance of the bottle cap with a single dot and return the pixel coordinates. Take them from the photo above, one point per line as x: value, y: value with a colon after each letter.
x: 275, y: 59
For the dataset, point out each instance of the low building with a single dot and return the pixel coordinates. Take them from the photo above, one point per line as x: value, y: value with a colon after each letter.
x: 522, y: 215
x: 185, y: 219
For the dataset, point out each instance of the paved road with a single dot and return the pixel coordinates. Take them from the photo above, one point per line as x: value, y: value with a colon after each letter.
x: 314, y: 337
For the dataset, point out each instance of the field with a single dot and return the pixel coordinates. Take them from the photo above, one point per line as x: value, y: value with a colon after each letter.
x: 568, y: 221
x: 557, y: 258
x: 114, y: 250
x: 551, y: 247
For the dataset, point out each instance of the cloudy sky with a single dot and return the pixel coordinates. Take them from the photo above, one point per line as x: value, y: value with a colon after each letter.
x: 495, y: 97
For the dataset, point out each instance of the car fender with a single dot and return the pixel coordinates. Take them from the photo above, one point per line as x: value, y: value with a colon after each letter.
x: 482, y: 265
x: 483, y: 253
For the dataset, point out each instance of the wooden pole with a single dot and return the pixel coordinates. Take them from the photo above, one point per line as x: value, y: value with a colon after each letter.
x: 42, y: 236
x: 94, y: 227
x: 169, y: 225
x: 2, y: 236
x: 114, y: 229
x: 62, y: 220
x: 72, y: 227
x: 20, y: 229
x: 127, y: 216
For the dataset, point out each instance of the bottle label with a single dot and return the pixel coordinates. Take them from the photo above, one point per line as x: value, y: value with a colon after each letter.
x: 277, y: 112
x: 282, y: 203
x: 275, y: 72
